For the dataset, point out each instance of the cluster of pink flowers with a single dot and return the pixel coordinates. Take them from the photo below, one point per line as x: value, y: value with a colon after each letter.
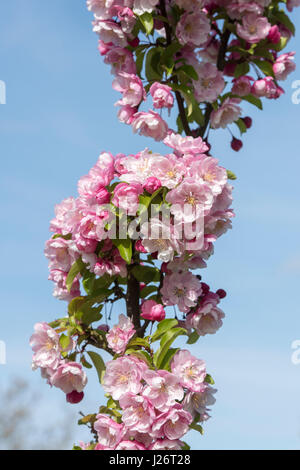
x: 198, y: 199
x: 198, y: 35
x: 67, y: 376
x: 157, y: 406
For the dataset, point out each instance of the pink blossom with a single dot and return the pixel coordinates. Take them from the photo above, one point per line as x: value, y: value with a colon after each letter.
x: 123, y: 376
x: 274, y: 35
x: 190, y: 370
x: 210, y: 83
x: 161, y: 238
x: 193, y: 29
x: 138, y: 413
x: 69, y: 376
x: 242, y: 86
x: 163, y: 389
x: 131, y: 87
x: 169, y: 170
x: 66, y: 216
x: 182, y: 290
x: 284, y: 65
x: 190, y: 200
x: 100, y: 8
x: 110, y: 32
x: 152, y: 184
x: 110, y: 433
x: 130, y: 445
x: 162, y: 96
x: 143, y: 6
x: 291, y: 4
x: 253, y: 28
x: 60, y: 291
x: 166, y: 444
x: 46, y: 347
x: 150, y: 125
x: 103, y: 171
x: 198, y: 403
x: 172, y: 424
x: 121, y: 60
x: 185, y: 145
x: 207, y: 319
x: 153, y: 311
x: 226, y: 114
x: 119, y: 336
x: 190, y: 5
x: 126, y: 114
x: 60, y: 253
x: 239, y: 8
x: 266, y: 87
x: 208, y: 170
x: 126, y: 197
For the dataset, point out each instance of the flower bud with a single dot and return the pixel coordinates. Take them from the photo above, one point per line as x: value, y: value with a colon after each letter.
x: 74, y: 397
x: 236, y: 144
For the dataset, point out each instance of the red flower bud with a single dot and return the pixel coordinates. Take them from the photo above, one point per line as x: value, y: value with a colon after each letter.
x: 236, y: 144
x: 74, y: 397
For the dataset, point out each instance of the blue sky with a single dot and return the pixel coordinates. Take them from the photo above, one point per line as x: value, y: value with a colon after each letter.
x: 59, y: 116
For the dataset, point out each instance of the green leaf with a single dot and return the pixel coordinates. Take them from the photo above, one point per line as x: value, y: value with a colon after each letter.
x: 75, y: 305
x: 189, y: 71
x: 152, y: 67
x: 265, y: 66
x: 168, y: 358
x: 147, y: 21
x: 209, y: 380
x: 197, y: 427
x: 166, y: 341
x: 146, y: 274
x: 142, y: 355
x: 76, y: 268
x: 147, y: 291
x: 91, y: 315
x: 193, y: 338
x: 125, y: 249
x: 139, y: 342
x: 285, y: 20
x: 241, y: 125
x: 140, y: 56
x: 231, y: 175
x: 64, y: 341
x: 241, y: 69
x: 162, y: 327
x: 98, y: 363
x: 253, y: 100
x: 88, y: 419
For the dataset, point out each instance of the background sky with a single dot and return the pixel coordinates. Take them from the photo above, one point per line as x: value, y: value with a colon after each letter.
x: 59, y: 116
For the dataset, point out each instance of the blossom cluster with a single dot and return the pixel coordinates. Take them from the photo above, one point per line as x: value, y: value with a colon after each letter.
x: 68, y: 376
x: 215, y: 54
x: 196, y: 199
x: 153, y: 408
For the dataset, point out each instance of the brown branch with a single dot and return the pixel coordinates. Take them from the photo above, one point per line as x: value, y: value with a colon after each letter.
x: 133, y: 297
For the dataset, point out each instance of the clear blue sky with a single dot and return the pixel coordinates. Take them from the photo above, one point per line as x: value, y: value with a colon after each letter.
x: 58, y: 117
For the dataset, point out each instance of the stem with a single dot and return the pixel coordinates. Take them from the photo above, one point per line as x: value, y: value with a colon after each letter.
x: 179, y: 99
x: 133, y: 298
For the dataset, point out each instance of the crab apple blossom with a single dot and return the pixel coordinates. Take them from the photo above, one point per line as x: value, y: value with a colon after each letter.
x: 143, y: 224
x: 119, y: 336
x: 229, y: 112
x: 68, y: 377
x: 109, y: 432
x: 284, y: 65
x: 138, y: 413
x: 254, y: 28
x: 162, y: 96
x: 153, y: 311
x: 182, y: 290
x: 172, y: 424
x: 193, y: 29
x: 46, y: 347
x: 123, y: 376
x: 190, y: 370
x: 162, y: 389
x: 210, y: 83
x: 150, y: 125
